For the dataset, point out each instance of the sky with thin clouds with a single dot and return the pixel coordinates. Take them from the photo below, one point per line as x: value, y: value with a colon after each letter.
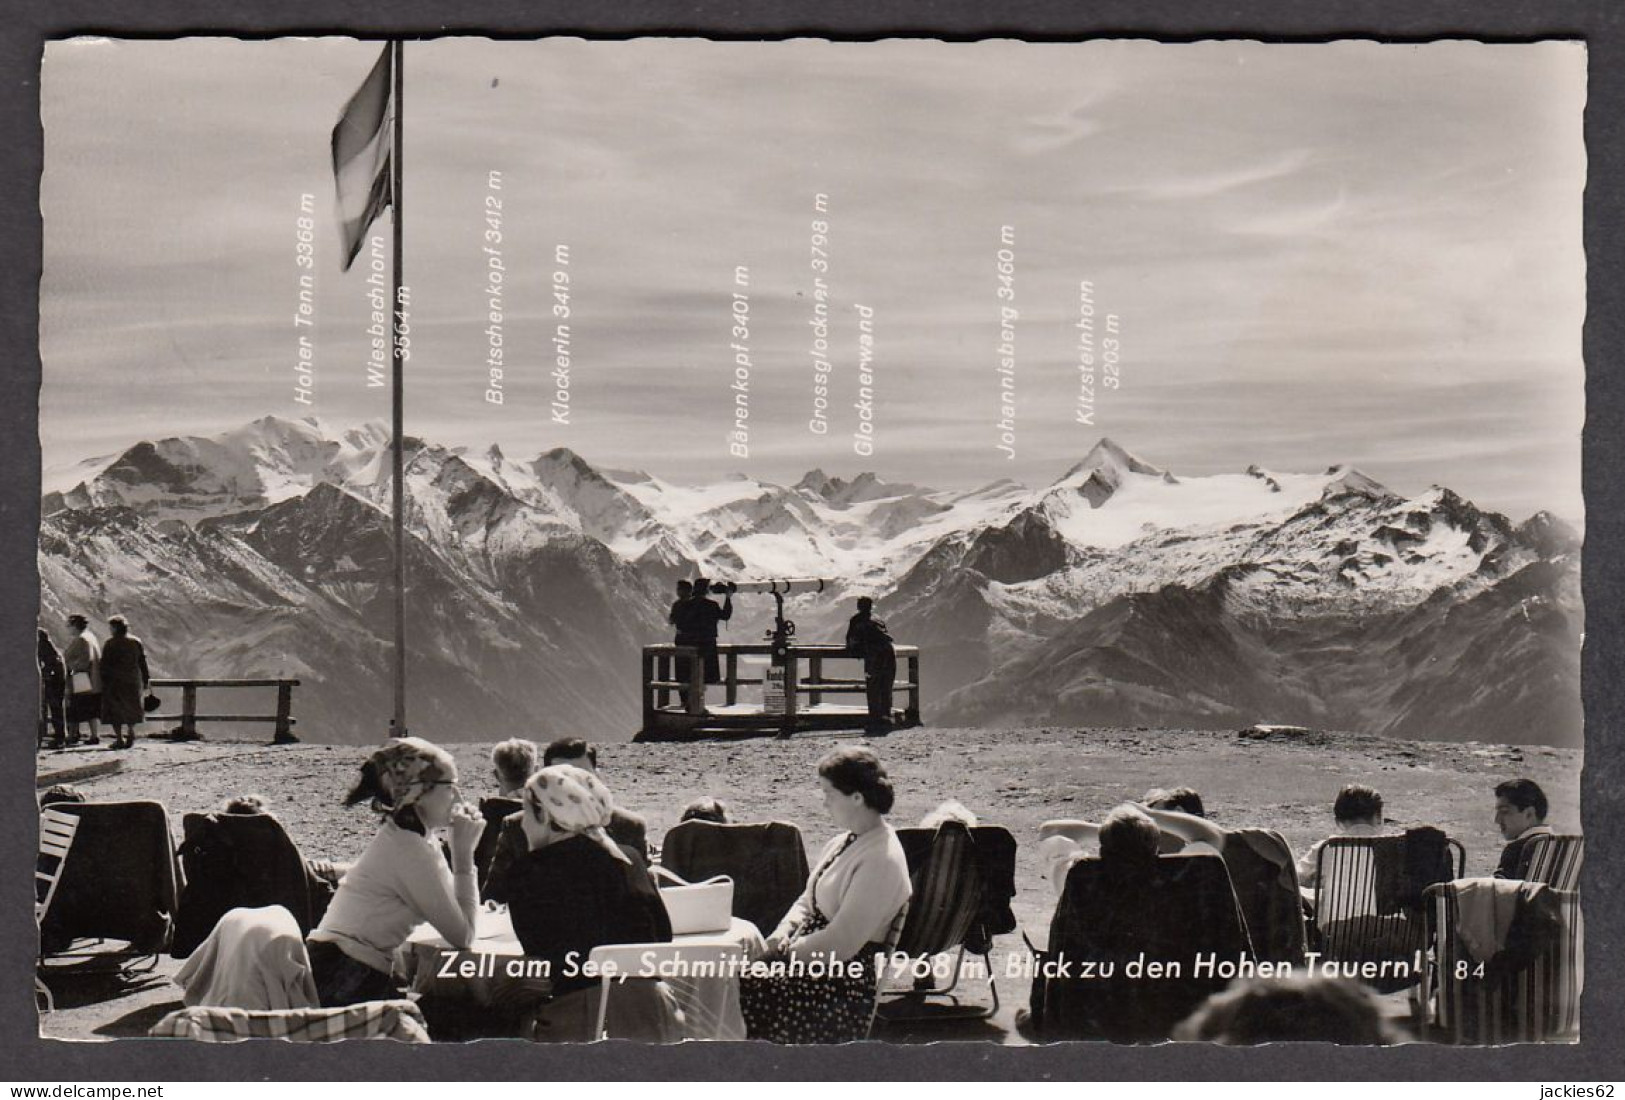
x: 1315, y: 254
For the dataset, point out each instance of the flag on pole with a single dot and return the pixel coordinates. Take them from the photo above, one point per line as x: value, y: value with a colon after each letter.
x: 362, y: 147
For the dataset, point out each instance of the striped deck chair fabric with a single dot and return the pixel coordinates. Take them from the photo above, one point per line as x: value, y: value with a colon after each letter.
x: 398, y: 1020
x: 946, y: 912
x: 1554, y: 860
x: 947, y: 894
x: 1368, y: 901
x: 1530, y: 992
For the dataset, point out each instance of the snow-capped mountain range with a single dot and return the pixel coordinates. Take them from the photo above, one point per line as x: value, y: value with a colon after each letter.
x: 1120, y: 594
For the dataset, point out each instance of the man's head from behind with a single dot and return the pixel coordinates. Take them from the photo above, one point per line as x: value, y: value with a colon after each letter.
x: 573, y: 751
x: 1185, y: 800
x: 1520, y: 804
x: 512, y: 762
x: 1293, y: 1009
x: 1129, y: 838
x: 1357, y: 805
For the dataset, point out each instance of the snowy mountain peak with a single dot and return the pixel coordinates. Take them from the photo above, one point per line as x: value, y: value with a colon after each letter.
x: 1265, y: 476
x: 1103, y: 471
x: 1547, y: 535
x: 1347, y: 481
x: 817, y: 481
x: 1108, y: 454
x: 562, y: 458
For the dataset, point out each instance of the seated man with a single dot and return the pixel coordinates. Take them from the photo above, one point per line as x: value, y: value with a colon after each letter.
x: 624, y: 828
x: 1185, y: 800
x: 1358, y: 812
x: 1520, y: 814
x: 1061, y: 843
x: 1295, y: 1009
x: 1126, y: 909
x: 62, y: 792
x: 512, y: 763
x: 705, y: 808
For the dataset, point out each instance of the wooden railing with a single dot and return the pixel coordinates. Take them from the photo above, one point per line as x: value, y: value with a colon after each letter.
x: 805, y: 678
x: 189, y: 717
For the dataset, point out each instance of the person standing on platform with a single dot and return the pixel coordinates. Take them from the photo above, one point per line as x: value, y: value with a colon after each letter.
x: 867, y: 637
x: 53, y: 682
x: 125, y: 679
x: 699, y: 621
x: 83, y: 658
x: 678, y: 618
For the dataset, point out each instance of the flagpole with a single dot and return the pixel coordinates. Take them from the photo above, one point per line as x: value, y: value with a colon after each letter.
x: 397, y: 404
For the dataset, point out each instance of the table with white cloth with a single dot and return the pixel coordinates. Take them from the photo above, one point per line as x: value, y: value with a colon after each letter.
x: 495, y: 968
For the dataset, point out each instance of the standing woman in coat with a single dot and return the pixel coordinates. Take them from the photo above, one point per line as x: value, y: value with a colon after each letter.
x: 83, y: 657
x: 125, y: 680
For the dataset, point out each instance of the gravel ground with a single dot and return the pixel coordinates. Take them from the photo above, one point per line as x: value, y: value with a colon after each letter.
x: 1016, y: 778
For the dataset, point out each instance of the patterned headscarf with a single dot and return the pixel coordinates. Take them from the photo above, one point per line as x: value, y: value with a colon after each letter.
x: 407, y: 766
x: 575, y: 801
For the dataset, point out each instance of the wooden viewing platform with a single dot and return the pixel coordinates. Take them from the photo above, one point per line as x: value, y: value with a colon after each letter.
x: 807, y: 705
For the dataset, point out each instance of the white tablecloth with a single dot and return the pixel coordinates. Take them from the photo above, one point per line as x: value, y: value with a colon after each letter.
x: 493, y: 968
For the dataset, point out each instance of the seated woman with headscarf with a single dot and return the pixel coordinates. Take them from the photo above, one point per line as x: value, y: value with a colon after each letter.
x: 576, y: 889
x: 401, y: 880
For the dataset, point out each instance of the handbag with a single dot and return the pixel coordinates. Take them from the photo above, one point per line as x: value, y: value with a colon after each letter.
x: 79, y: 683
x: 696, y: 907
x: 151, y: 703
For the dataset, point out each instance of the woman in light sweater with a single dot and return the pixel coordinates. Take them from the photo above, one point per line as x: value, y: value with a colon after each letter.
x: 855, y: 901
x: 401, y: 879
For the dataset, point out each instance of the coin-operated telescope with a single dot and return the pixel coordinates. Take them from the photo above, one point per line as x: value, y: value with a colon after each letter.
x: 783, y: 629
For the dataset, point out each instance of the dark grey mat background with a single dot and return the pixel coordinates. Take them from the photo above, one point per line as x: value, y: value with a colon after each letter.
x: 24, y: 1058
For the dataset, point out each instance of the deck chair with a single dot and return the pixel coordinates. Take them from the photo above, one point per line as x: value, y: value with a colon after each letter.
x: 398, y: 1020
x: 56, y: 832
x: 949, y: 912
x: 1554, y: 860
x: 888, y: 949
x: 1529, y: 991
x: 1265, y: 878
x: 702, y: 977
x: 236, y: 861
x: 766, y: 861
x: 120, y: 885
x: 1177, y: 911
x: 1368, y: 900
